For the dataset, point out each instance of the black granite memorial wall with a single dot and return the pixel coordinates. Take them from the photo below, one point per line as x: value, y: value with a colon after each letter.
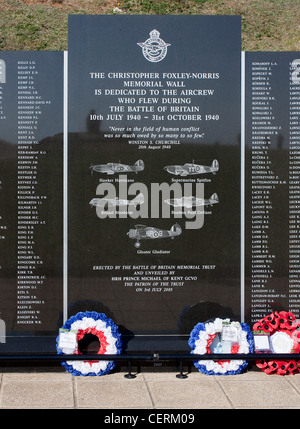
x: 154, y: 171
x: 157, y: 181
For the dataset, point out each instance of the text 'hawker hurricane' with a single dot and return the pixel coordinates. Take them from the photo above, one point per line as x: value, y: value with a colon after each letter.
x: 115, y: 168
x: 142, y: 232
x: 191, y: 168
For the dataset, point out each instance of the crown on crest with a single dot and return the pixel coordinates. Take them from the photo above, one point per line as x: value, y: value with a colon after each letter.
x: 154, y: 34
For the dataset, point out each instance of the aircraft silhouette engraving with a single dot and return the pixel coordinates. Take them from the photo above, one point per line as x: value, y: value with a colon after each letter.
x: 116, y: 202
x: 190, y: 202
x: 143, y: 232
x: 190, y: 168
x: 117, y: 167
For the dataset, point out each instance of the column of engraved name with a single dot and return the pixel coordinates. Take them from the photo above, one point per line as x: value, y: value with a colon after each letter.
x: 264, y: 128
x: 3, y: 220
x: 29, y: 277
x: 294, y: 188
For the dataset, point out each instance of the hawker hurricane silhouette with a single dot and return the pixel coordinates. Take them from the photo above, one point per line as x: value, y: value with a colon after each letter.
x: 113, y: 167
x: 143, y: 232
x: 191, y: 168
x: 190, y: 202
x: 116, y: 202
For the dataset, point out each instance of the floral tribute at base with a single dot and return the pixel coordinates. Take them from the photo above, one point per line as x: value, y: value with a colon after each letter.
x: 99, y: 325
x: 221, y: 336
x: 283, y: 330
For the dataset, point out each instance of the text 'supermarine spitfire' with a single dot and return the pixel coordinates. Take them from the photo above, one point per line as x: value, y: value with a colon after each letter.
x: 191, y: 168
x: 116, y: 202
x: 190, y: 202
x: 142, y: 232
x: 115, y: 168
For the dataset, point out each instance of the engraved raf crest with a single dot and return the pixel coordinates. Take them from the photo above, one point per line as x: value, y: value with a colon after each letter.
x: 154, y: 48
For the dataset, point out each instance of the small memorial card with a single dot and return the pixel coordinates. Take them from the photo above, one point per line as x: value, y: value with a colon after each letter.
x: 229, y: 333
x: 261, y: 341
x: 67, y: 341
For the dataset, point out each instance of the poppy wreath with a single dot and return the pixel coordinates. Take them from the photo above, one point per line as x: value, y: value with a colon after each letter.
x: 287, y: 323
x: 105, y: 330
x: 202, y: 341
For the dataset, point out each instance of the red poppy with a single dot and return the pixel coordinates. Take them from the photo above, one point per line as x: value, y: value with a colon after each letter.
x: 289, y: 326
x: 273, y: 320
x: 271, y: 367
x: 295, y: 334
x: 282, y: 323
x: 286, y: 320
x: 278, y: 367
x: 269, y: 318
x: 282, y: 367
x: 287, y: 315
x: 267, y: 327
x: 276, y: 314
x: 257, y: 326
x: 261, y: 364
x: 292, y: 367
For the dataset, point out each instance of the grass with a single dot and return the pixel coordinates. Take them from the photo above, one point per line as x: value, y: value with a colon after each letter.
x: 267, y: 25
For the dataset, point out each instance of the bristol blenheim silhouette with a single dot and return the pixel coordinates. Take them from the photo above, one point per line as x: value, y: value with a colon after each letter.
x: 116, y: 202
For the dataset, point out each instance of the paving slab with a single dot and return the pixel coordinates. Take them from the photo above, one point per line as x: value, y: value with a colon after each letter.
x: 270, y: 391
x: 111, y: 392
x: 200, y: 393
x: 156, y: 389
x: 36, y: 390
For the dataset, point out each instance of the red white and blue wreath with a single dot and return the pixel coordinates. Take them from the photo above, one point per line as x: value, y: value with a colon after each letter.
x: 221, y: 336
x: 101, y: 326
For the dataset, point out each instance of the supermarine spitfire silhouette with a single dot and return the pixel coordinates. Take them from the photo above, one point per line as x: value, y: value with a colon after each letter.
x: 191, y: 168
